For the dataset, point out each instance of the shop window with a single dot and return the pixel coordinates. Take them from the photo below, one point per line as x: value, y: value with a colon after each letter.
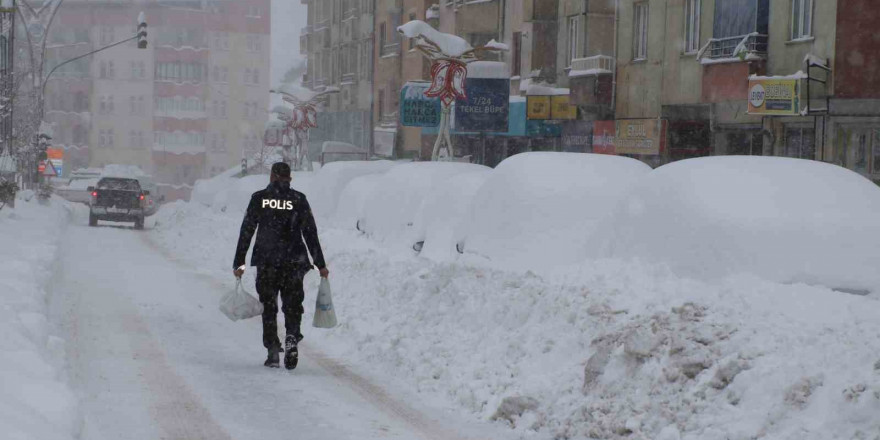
x: 640, y: 31
x: 800, y: 143
x: 745, y: 143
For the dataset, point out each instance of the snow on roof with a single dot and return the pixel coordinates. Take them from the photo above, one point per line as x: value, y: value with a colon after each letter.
x: 797, y: 75
x: 432, y: 13
x: 515, y: 98
x: 488, y: 69
x: 579, y: 73
x: 544, y: 90
x: 524, y: 84
x: 492, y: 44
x: 451, y: 45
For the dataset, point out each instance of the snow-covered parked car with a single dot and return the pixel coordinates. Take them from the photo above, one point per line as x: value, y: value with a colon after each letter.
x: 541, y: 208
x: 442, y: 219
x: 785, y: 220
x: 391, y: 208
x: 353, y: 200
x: 332, y: 178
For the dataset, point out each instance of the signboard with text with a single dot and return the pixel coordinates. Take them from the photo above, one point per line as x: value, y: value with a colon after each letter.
x: 538, y: 107
x: 561, y: 109
x: 487, y: 107
x: 416, y: 109
x: 630, y: 136
x: 779, y: 97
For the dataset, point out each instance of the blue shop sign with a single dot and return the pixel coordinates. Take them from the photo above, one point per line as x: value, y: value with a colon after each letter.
x: 487, y: 106
x: 416, y: 109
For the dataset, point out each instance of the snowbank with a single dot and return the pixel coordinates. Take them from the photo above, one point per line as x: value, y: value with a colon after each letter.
x: 786, y: 220
x: 442, y: 220
x: 540, y: 209
x: 330, y: 181
x: 353, y: 200
x: 232, y: 194
x: 605, y: 349
x: 391, y: 208
x: 35, y: 402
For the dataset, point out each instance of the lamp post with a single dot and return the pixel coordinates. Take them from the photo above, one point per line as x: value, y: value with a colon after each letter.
x: 303, y: 118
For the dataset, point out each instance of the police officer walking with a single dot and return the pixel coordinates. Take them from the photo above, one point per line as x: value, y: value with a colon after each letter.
x: 283, y: 220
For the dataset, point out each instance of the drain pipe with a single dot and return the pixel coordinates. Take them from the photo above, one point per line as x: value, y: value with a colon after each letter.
x: 614, y: 73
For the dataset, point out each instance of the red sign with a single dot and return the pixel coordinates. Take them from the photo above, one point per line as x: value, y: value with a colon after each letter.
x: 603, y: 137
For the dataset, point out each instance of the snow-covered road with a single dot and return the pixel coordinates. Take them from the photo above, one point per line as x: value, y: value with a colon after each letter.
x: 151, y: 357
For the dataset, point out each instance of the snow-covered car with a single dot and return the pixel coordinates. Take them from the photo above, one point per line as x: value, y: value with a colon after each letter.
x: 391, y: 208
x: 541, y: 208
x: 785, y: 220
x: 353, y: 200
x: 331, y: 180
x: 442, y: 219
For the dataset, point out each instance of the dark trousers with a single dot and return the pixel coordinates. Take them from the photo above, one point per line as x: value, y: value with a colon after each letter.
x: 288, y: 282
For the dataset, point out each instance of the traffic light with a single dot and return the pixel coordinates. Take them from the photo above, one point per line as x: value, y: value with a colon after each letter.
x: 142, y: 31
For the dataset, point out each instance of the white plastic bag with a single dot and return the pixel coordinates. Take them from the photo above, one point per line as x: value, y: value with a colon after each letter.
x: 325, y: 314
x: 239, y: 304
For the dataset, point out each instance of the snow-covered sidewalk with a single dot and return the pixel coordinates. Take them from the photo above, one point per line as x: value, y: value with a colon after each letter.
x: 35, y: 400
x: 603, y: 349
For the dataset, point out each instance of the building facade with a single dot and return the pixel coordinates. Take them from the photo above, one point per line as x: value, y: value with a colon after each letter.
x: 338, y: 44
x: 168, y: 108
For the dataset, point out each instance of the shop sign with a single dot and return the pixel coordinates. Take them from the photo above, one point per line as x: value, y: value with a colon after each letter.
x: 779, y: 97
x: 577, y: 136
x: 630, y: 136
x: 538, y: 107
x: 486, y: 107
x: 416, y: 109
x: 561, y: 109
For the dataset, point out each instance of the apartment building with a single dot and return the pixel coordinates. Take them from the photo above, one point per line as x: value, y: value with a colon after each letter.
x: 338, y: 44
x: 188, y: 107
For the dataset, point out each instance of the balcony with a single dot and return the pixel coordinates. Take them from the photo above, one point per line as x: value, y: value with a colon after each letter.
x: 754, y: 45
x: 595, y: 65
x: 304, y: 44
x: 349, y: 78
x: 350, y: 14
x: 306, y: 30
x: 391, y: 49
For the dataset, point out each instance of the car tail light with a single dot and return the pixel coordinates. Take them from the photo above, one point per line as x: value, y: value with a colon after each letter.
x: 142, y: 196
x: 95, y: 194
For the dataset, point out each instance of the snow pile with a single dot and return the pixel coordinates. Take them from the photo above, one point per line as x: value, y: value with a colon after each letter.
x: 442, y: 220
x: 35, y: 402
x: 391, y: 208
x: 488, y: 69
x: 607, y: 349
x: 786, y: 220
x: 122, y: 171
x: 451, y: 45
x: 541, y: 209
x: 330, y: 181
x: 232, y: 194
x: 353, y: 200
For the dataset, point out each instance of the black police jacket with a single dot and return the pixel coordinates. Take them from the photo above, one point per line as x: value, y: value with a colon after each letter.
x: 282, y: 219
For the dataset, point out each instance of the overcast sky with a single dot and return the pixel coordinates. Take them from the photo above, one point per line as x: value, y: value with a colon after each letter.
x: 288, y: 17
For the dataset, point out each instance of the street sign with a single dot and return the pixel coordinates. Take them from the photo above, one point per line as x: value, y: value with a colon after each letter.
x: 487, y: 107
x: 416, y: 109
x: 56, y: 157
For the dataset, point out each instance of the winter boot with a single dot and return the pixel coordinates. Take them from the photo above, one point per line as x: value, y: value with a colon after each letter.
x: 272, y: 360
x: 291, y: 353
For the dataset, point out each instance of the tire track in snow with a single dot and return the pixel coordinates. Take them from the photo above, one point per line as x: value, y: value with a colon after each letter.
x: 370, y: 392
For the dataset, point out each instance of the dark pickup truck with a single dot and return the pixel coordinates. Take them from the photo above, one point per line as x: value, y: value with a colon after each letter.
x: 118, y: 200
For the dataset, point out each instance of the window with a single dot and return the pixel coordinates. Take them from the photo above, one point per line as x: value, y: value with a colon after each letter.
x: 573, y: 27
x: 859, y: 149
x: 801, y: 19
x: 691, y: 26
x: 517, y: 54
x: 256, y: 77
x: 133, y: 105
x: 800, y: 143
x: 254, y: 44
x: 640, y: 31
x: 382, y: 38
x: 108, y: 35
x: 221, y: 41
x: 745, y: 143
x: 381, y: 102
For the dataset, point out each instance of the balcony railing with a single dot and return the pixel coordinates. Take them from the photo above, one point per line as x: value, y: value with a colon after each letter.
x: 349, y: 77
x: 390, y: 49
x: 349, y: 14
x: 594, y: 65
x: 731, y: 47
